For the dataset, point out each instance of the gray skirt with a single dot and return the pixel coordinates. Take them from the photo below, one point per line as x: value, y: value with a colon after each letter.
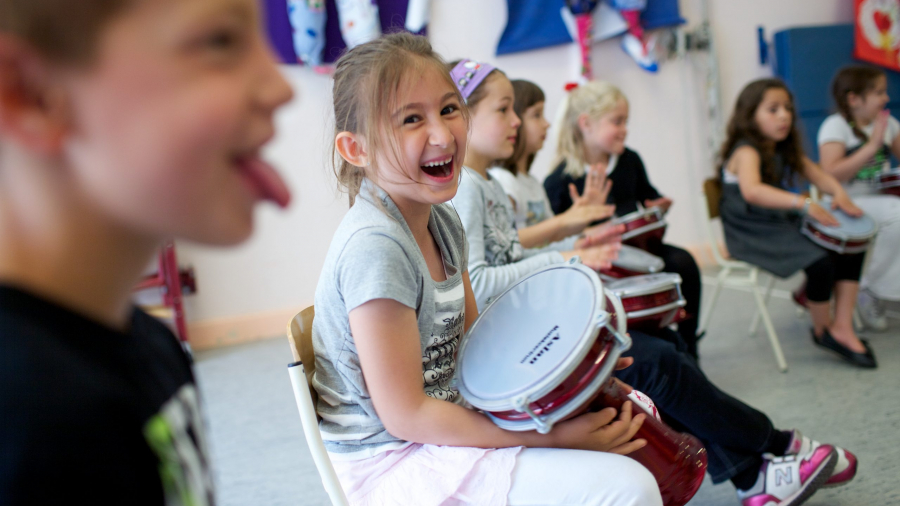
x: 767, y: 238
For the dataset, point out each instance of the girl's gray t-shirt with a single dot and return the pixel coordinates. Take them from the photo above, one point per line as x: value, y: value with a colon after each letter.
x: 373, y: 255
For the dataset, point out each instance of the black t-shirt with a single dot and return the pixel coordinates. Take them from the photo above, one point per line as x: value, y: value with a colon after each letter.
x: 90, y: 415
x: 630, y: 185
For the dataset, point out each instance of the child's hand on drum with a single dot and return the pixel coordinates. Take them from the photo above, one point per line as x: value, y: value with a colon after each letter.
x: 663, y: 203
x: 624, y: 363
x: 607, y: 233
x: 576, y: 218
x: 599, y: 256
x: 843, y: 202
x: 602, y: 431
x: 819, y: 214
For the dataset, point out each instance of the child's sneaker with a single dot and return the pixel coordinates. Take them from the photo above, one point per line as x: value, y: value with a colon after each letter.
x: 871, y: 311
x: 790, y: 480
x: 844, y: 470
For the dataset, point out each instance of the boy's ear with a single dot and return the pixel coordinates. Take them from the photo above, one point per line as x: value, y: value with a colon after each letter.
x: 351, y: 148
x: 32, y: 110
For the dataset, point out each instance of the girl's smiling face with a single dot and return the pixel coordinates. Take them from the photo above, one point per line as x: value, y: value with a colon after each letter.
x: 535, y: 128
x: 775, y: 115
x: 423, y: 163
x: 607, y: 132
x: 168, y: 122
x: 494, y: 122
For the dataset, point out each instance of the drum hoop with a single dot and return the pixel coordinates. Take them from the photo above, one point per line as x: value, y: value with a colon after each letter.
x: 643, y: 229
x: 642, y: 211
x: 675, y: 281
x: 680, y: 303
x: 893, y: 183
x: 813, y: 232
x: 586, y: 394
x: 544, y: 385
x: 656, y: 266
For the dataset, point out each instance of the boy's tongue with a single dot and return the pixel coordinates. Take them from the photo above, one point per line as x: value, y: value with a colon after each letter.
x: 266, y: 181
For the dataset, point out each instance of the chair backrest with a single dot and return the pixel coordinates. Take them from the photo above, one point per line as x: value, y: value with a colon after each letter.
x: 299, y: 333
x: 712, y: 188
x: 712, y: 193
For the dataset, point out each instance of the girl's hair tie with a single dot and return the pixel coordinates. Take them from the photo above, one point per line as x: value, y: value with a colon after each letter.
x: 468, y: 74
x: 570, y: 86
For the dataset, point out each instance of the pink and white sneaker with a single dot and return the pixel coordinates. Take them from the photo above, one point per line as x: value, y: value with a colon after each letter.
x: 790, y: 480
x: 844, y: 470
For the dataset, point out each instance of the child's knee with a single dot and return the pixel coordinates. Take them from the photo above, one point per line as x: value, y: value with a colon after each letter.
x: 640, y: 488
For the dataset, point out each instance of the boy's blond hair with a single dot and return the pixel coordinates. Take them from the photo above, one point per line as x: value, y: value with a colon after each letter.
x: 594, y: 99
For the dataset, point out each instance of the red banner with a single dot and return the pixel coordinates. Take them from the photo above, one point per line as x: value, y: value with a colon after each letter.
x: 877, y: 32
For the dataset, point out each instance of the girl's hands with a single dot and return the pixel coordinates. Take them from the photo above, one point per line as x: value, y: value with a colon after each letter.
x: 576, y: 218
x: 596, y: 188
x: 880, y: 127
x: 840, y: 200
x: 604, y: 233
x: 819, y: 214
x: 601, y: 431
x: 600, y: 256
x: 663, y: 203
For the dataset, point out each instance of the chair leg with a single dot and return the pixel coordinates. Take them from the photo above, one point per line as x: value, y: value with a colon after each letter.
x: 754, y: 325
x: 770, y: 330
x: 857, y: 320
x: 707, y: 313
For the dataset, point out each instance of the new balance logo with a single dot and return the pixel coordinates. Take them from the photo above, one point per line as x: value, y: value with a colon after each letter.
x: 783, y: 476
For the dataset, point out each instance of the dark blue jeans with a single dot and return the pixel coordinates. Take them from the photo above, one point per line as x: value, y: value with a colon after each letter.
x: 735, y: 435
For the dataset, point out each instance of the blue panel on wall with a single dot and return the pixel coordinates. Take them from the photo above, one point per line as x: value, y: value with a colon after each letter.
x: 807, y: 59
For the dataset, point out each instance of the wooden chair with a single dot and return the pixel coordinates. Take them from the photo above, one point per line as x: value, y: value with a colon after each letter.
x: 299, y: 333
x: 736, y: 274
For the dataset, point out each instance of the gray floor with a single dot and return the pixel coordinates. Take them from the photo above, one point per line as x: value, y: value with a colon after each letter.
x: 261, y: 457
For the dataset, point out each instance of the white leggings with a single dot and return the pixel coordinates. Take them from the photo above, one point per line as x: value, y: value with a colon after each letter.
x: 546, y: 476
x: 882, y: 274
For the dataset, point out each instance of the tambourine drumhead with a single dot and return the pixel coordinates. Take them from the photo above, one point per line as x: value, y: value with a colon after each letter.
x: 638, y: 260
x: 849, y: 228
x: 531, y: 337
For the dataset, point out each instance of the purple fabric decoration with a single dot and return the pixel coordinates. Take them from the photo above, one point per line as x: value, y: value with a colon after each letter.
x: 468, y: 74
x: 278, y: 26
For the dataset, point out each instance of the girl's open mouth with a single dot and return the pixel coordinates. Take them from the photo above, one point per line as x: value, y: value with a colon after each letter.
x: 440, y: 170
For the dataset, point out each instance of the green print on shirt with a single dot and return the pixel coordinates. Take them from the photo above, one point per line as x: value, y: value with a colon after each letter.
x: 175, y: 435
x: 873, y: 166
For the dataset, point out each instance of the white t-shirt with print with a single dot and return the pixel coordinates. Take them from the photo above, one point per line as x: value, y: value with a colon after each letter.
x: 532, y: 205
x: 836, y: 129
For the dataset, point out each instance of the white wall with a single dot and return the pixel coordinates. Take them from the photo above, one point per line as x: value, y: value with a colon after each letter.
x: 278, y: 269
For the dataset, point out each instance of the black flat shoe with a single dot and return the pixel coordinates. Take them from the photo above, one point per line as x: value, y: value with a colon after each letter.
x: 828, y: 342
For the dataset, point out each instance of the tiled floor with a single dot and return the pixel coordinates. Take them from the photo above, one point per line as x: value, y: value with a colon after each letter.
x: 261, y: 457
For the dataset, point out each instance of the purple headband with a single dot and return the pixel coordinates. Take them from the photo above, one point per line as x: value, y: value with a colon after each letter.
x: 467, y: 75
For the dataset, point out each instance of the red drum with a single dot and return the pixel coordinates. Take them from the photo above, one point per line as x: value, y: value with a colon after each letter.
x: 633, y: 262
x: 644, y: 228
x: 545, y: 350
x: 852, y: 235
x: 889, y: 182
x: 652, y: 301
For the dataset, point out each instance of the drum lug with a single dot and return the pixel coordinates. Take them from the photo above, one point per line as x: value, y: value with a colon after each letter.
x: 575, y: 260
x: 624, y: 340
x: 522, y: 405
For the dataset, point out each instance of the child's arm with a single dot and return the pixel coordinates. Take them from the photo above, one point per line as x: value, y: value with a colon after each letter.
x: 832, y: 154
x: 564, y: 225
x: 746, y: 163
x: 831, y: 186
x: 387, y: 340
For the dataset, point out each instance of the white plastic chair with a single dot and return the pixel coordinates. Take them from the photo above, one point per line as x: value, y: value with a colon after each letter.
x: 736, y: 274
x: 299, y: 333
